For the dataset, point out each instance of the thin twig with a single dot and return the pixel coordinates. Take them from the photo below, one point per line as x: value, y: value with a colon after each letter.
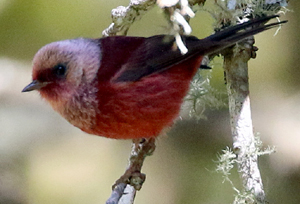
x: 116, y: 194
x: 124, y: 189
x: 123, y: 17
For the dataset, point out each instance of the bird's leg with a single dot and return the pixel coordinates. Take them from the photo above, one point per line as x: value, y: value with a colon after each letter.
x: 133, y: 176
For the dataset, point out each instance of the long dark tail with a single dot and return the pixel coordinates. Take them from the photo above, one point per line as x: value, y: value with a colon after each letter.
x: 232, y: 35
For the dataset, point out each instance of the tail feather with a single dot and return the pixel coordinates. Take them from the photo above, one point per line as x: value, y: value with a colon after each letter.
x: 237, y: 28
x: 232, y: 35
x: 254, y: 31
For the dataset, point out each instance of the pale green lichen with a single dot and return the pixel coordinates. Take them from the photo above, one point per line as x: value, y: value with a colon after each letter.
x: 202, y: 95
x: 228, y: 159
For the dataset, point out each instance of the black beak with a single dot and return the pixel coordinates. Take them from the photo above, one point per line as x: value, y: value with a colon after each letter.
x: 34, y: 85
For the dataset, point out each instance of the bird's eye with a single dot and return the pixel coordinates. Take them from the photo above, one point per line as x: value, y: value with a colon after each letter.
x: 60, y: 70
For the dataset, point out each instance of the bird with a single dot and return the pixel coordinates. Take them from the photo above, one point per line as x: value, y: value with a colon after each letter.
x: 126, y: 87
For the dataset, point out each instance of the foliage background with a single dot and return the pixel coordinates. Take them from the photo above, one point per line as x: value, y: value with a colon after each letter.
x: 43, y: 159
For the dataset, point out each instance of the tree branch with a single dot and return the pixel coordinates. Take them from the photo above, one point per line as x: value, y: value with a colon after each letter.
x: 116, y: 194
x: 236, y: 69
x: 236, y: 72
x: 124, y: 17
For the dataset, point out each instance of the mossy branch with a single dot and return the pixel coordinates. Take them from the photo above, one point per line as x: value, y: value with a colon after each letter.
x: 237, y: 80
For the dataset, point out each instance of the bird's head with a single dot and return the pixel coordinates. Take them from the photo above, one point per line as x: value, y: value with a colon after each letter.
x: 59, y: 68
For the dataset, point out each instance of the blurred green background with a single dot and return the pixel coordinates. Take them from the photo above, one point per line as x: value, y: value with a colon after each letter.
x: 44, y: 159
